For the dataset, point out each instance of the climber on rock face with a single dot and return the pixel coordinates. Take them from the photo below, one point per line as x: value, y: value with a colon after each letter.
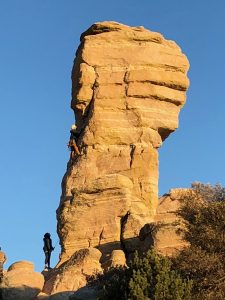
x: 47, y: 249
x: 73, y: 142
x: 2, y: 261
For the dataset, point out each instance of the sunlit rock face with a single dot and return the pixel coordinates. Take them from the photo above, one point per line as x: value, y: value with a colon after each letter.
x: 21, y: 282
x: 167, y: 239
x: 73, y: 274
x: 128, y: 86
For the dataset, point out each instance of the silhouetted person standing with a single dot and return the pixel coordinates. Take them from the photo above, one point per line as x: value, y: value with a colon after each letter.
x: 2, y: 261
x: 47, y: 249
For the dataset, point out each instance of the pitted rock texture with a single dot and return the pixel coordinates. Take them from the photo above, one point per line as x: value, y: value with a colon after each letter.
x: 128, y: 86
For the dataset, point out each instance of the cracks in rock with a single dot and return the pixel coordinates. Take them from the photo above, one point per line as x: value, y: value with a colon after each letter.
x: 101, y: 236
x: 132, y: 150
x: 140, y: 185
x: 125, y: 80
x: 142, y: 190
x: 87, y: 113
x: 141, y: 135
x: 127, y: 108
x: 123, y: 222
x: 153, y: 97
x: 168, y: 85
x: 175, y: 102
x: 99, y: 190
x: 137, y: 115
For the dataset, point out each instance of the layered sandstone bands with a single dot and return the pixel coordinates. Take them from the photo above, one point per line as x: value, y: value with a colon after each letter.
x: 129, y: 85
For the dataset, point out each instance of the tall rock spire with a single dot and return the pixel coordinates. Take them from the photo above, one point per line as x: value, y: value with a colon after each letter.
x: 128, y: 86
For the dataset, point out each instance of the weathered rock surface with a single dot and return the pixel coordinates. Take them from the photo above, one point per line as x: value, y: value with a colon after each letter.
x: 167, y: 239
x: 87, y: 293
x: 128, y: 88
x: 20, y: 282
x: 116, y: 259
x: 73, y: 274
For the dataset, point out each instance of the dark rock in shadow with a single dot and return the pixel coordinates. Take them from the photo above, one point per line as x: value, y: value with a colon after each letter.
x: 18, y: 293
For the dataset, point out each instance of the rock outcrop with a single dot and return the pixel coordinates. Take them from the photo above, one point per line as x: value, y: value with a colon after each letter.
x: 73, y: 274
x: 166, y: 239
x: 21, y: 282
x: 116, y: 259
x: 128, y: 86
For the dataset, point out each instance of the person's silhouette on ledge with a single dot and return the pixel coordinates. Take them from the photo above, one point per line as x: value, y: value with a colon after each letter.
x: 47, y: 249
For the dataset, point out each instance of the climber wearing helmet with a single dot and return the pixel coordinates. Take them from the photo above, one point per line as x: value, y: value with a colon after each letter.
x: 73, y: 142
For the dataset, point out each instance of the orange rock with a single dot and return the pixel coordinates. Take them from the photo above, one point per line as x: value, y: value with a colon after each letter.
x: 20, y: 282
x: 129, y: 85
x: 167, y: 239
x: 73, y: 274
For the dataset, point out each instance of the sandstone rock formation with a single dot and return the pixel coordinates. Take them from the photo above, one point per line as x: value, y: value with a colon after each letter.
x: 166, y: 238
x: 116, y: 259
x: 73, y: 274
x: 20, y: 282
x: 128, y: 86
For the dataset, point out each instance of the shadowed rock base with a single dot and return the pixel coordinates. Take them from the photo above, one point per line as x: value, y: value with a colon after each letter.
x: 20, y: 282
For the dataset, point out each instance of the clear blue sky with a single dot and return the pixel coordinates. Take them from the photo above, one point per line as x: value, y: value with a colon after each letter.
x: 38, y: 39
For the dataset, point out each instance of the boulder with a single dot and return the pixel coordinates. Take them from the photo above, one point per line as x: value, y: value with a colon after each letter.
x: 166, y: 237
x: 22, y: 265
x: 21, y: 282
x: 116, y: 259
x: 73, y: 274
x: 86, y: 293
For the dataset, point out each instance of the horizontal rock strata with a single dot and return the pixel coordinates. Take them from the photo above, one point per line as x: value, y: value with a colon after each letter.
x: 128, y: 86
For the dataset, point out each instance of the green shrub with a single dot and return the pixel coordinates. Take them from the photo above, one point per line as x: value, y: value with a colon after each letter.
x: 149, y: 277
x: 203, y: 212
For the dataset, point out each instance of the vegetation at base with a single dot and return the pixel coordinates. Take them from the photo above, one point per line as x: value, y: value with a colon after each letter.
x: 203, y: 212
x: 149, y: 277
x: 196, y: 273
